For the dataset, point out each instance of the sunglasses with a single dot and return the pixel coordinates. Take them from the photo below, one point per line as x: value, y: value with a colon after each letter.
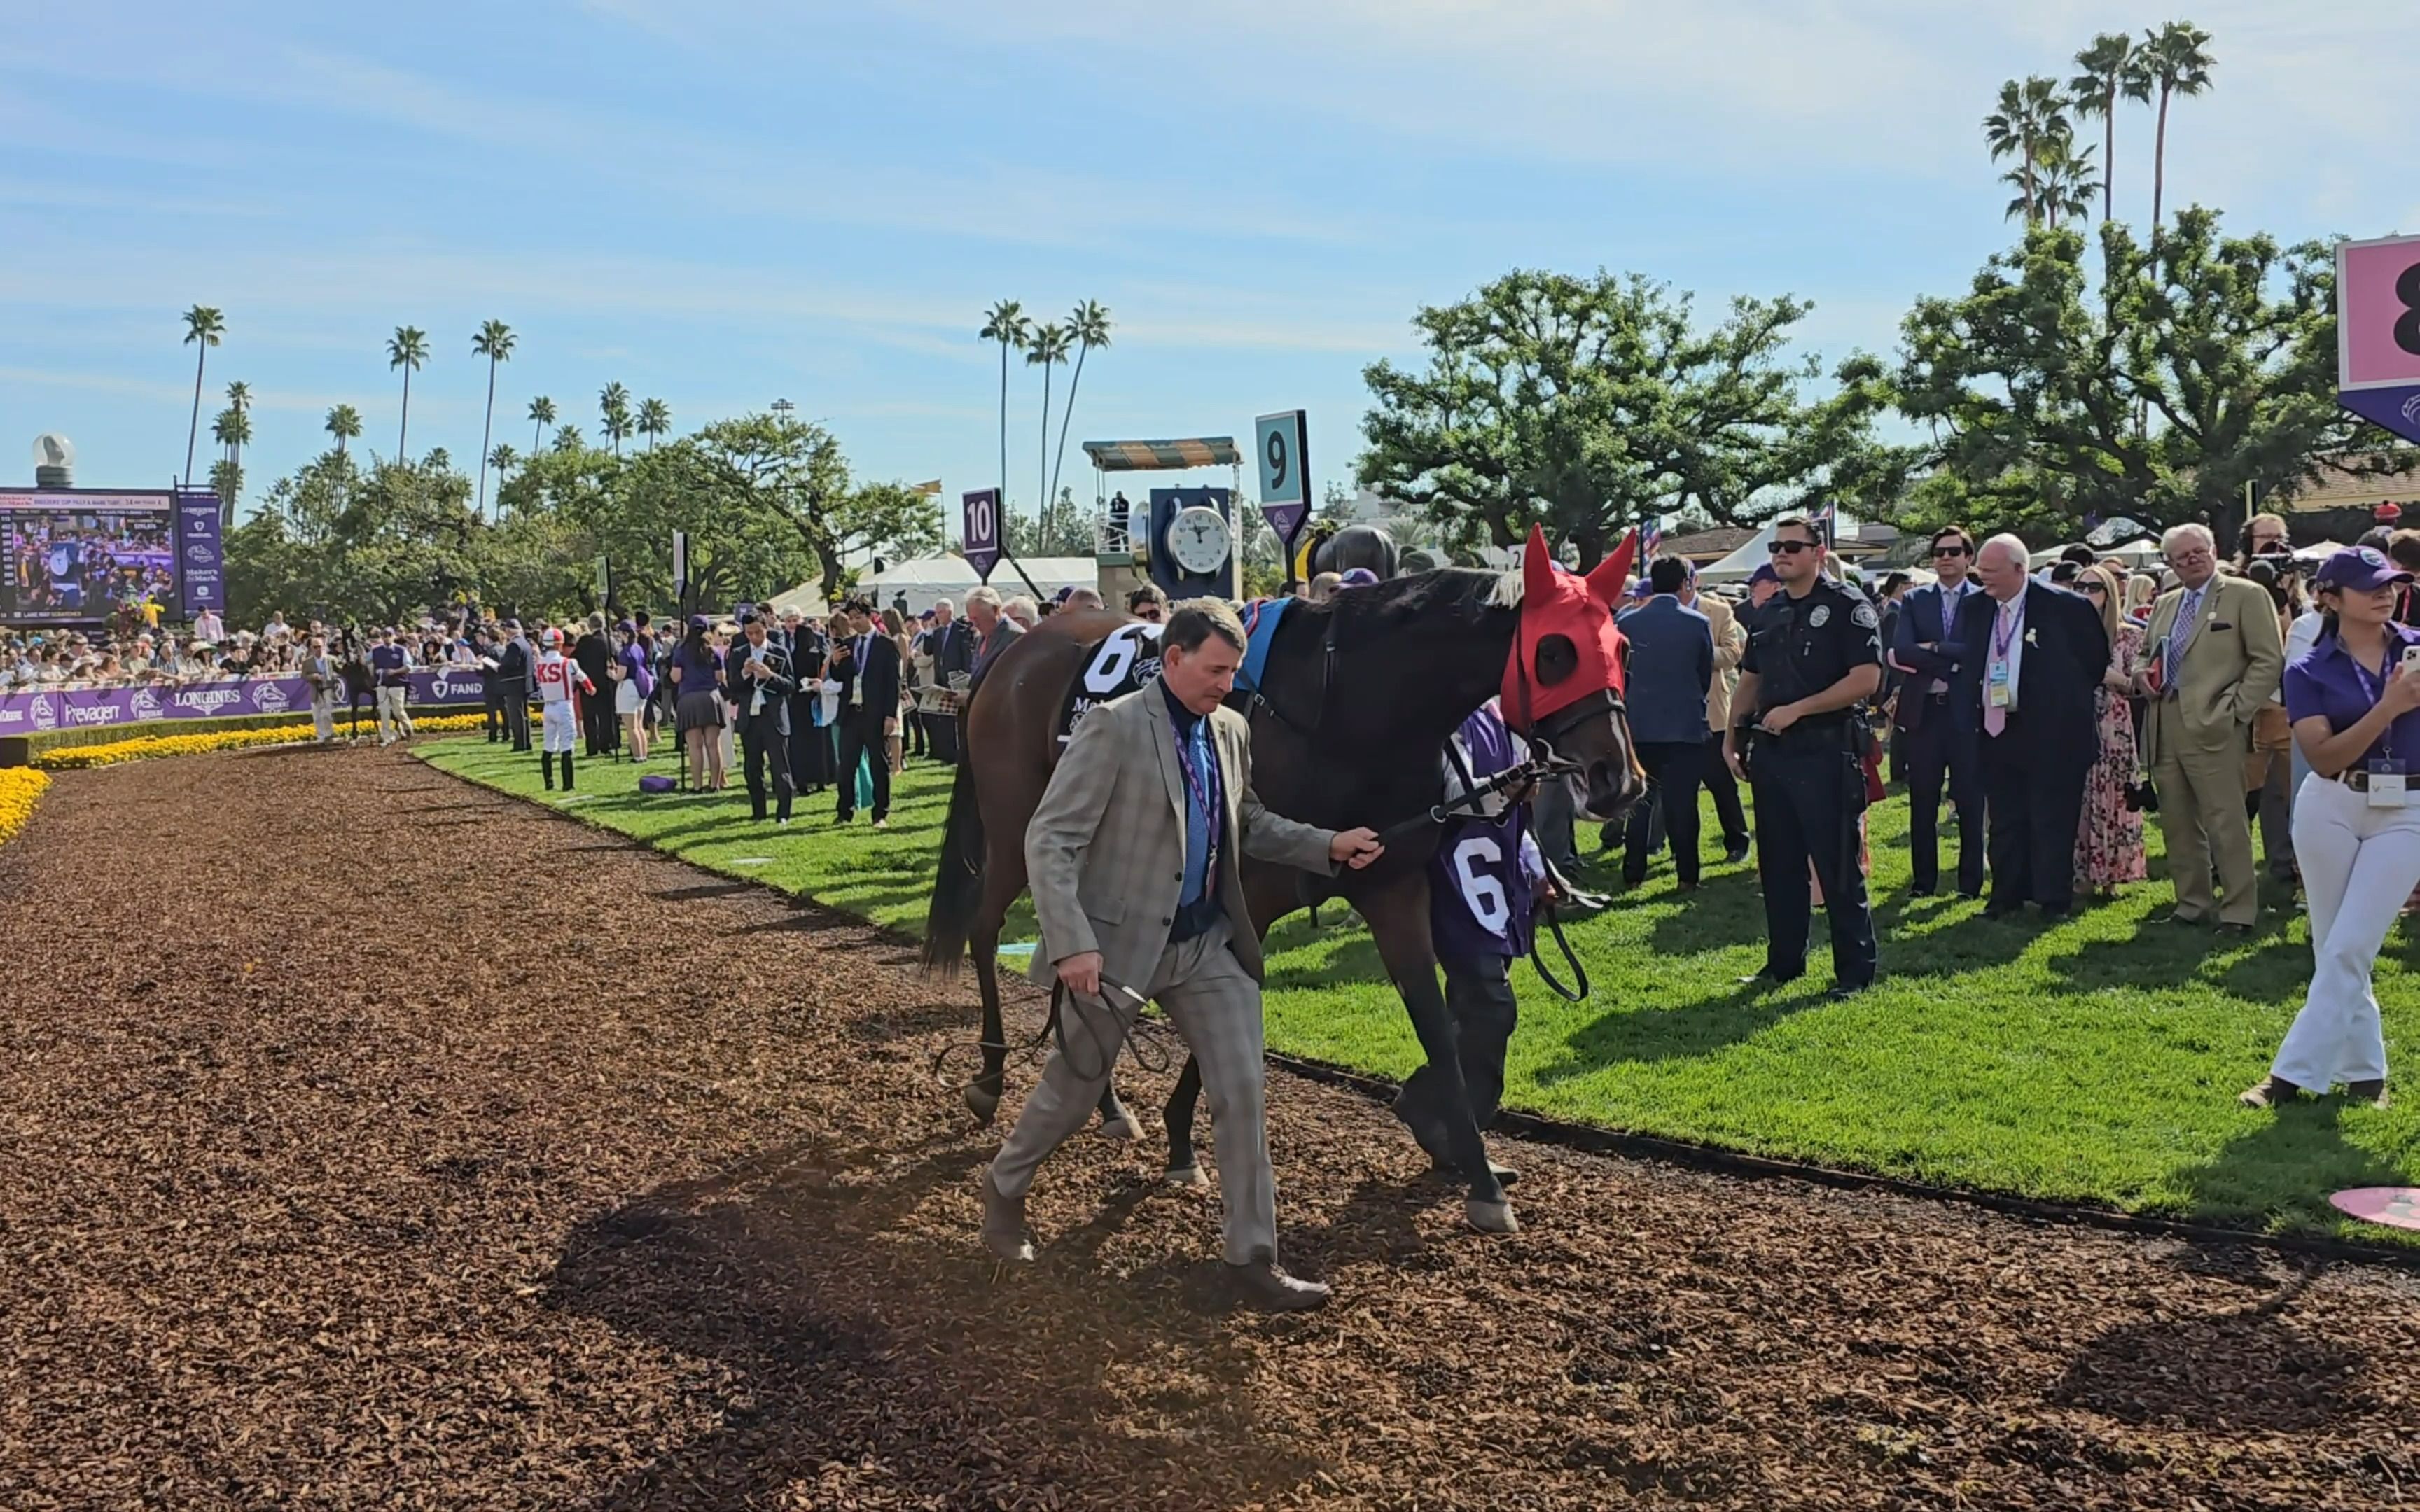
x: 1789, y: 548
x: 1939, y: 551
x: 2095, y: 588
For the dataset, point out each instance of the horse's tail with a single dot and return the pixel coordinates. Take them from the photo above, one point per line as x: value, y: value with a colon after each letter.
x: 957, y: 888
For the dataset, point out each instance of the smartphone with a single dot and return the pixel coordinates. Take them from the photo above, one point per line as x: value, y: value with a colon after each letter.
x: 2411, y: 661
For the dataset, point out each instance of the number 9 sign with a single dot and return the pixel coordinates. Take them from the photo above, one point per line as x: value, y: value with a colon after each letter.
x: 2378, y: 332
x: 1283, y: 444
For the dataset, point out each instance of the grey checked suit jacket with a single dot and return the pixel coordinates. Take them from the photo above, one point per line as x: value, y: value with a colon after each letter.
x: 1105, y: 851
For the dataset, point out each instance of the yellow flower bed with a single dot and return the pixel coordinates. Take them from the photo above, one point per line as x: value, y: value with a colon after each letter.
x: 19, y: 787
x: 144, y: 747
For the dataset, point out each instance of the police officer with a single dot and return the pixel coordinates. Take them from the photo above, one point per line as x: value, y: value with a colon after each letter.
x: 1815, y: 652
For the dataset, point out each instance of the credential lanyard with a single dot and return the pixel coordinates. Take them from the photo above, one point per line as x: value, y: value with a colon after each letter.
x: 1201, y: 786
x: 2375, y: 690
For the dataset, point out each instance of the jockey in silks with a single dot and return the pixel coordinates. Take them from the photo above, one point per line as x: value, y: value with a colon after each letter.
x: 556, y: 675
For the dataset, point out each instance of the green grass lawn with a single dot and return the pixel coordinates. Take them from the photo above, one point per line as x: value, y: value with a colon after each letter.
x: 2094, y: 1062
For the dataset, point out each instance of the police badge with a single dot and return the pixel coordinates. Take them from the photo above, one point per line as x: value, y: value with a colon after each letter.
x: 1864, y: 617
x: 1820, y: 617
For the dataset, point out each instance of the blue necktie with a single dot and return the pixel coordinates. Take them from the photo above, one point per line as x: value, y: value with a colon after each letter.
x: 2173, y: 653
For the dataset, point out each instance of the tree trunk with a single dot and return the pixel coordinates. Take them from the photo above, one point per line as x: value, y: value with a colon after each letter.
x: 1002, y: 499
x: 1067, y: 418
x: 2159, y: 163
x: 403, y: 426
x: 487, y: 433
x: 2109, y: 153
x: 194, y: 427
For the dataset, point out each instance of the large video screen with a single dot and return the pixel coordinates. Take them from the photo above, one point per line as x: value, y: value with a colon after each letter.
x: 72, y: 558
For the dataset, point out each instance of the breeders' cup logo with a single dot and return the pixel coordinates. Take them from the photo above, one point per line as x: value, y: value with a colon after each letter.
x: 2412, y: 410
x: 268, y: 697
x: 200, y: 555
x: 46, y: 714
x: 144, y: 705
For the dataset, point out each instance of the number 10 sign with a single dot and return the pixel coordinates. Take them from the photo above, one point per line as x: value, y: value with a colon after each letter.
x: 1282, y: 446
x: 980, y: 542
x: 2378, y: 332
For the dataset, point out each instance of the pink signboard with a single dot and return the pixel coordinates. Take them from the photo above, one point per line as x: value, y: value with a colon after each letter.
x: 2378, y: 332
x: 2398, y: 1207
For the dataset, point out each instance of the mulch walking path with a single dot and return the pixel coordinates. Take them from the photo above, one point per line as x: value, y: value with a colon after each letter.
x: 375, y: 1140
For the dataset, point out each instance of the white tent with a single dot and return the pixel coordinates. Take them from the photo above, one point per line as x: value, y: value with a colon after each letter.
x: 949, y: 576
x: 1736, y: 567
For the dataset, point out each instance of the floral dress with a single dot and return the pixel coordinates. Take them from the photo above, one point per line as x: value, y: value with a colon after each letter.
x: 2109, y: 843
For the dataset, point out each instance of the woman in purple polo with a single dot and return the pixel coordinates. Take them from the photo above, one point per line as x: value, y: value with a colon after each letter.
x: 2355, y: 702
x: 634, y: 685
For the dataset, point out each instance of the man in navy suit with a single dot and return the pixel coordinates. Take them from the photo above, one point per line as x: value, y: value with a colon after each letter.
x: 1672, y: 667
x: 1931, y: 745
x: 2033, y: 655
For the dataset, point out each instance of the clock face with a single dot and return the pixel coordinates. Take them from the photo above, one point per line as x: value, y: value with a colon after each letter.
x: 1198, y: 539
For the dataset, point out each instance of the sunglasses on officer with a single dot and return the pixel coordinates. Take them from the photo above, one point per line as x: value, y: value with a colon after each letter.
x: 1789, y: 548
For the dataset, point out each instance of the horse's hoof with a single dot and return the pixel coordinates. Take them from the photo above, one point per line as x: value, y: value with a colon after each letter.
x: 1492, y: 1217
x: 983, y: 1104
x: 1122, y: 1127
x: 1189, y: 1177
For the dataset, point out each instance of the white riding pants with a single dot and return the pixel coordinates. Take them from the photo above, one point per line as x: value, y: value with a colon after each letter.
x: 2359, y: 867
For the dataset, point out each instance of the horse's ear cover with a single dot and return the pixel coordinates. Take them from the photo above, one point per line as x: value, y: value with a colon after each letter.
x: 1571, y: 608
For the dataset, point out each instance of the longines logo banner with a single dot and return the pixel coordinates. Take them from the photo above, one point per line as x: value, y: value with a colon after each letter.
x: 200, y: 556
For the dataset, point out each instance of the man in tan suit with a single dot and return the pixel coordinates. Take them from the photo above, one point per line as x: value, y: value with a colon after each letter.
x: 1133, y: 856
x: 2212, y: 657
x: 1730, y: 642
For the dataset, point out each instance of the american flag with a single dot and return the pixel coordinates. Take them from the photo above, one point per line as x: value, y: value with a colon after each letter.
x: 1823, y: 519
x: 1651, y: 535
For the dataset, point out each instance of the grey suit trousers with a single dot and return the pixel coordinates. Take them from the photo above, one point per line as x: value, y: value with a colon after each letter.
x: 1216, y: 1006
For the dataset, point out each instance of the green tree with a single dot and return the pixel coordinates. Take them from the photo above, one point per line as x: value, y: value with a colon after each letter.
x: 2177, y: 61
x: 541, y: 414
x: 568, y: 439
x: 1063, y: 528
x: 227, y: 481
x: 655, y: 419
x: 2105, y: 71
x: 2153, y: 384
x: 494, y: 340
x: 204, y: 327
x: 1586, y: 404
x: 344, y: 424
x: 1089, y: 323
x: 2063, y: 183
x: 1005, y: 323
x: 2030, y: 114
x: 503, y: 460
x: 407, y: 349
x: 614, y: 408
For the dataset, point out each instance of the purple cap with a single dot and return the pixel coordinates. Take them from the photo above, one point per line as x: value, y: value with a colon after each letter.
x: 1763, y: 575
x: 699, y: 622
x: 1642, y: 589
x: 2358, y: 569
x: 1060, y: 597
x: 1358, y: 577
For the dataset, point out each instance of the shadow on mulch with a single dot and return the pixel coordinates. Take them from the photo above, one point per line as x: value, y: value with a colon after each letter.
x: 2241, y: 1372
x: 701, y: 891
x: 858, y: 1346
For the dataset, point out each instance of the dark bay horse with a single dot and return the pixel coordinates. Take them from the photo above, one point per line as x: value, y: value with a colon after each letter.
x: 1349, y: 728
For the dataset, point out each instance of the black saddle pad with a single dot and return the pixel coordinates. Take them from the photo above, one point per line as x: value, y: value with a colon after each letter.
x: 1126, y: 657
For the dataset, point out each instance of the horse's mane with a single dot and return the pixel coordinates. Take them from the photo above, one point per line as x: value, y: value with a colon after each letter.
x: 1465, y: 594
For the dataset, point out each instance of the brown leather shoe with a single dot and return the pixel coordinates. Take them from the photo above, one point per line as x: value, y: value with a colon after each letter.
x: 1003, y: 1225
x: 1264, y: 1286
x: 2269, y: 1092
x: 2372, y: 1093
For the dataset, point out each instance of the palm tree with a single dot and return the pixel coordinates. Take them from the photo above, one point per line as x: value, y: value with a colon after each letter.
x: 1048, y: 349
x: 204, y: 325
x: 1089, y: 323
x: 655, y: 419
x: 2177, y: 59
x: 2063, y: 183
x: 2030, y: 113
x: 239, y: 401
x: 541, y: 414
x: 1005, y: 323
x: 614, y: 407
x: 2106, y: 70
x: 494, y: 341
x: 406, y: 350
x: 344, y: 424
x: 503, y: 459
x: 570, y: 439
x: 230, y: 429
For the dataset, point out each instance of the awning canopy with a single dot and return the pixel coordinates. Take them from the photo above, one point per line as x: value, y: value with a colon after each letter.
x: 1164, y: 457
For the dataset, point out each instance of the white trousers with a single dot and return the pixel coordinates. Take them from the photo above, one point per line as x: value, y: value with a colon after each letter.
x: 392, y: 719
x: 2359, y: 867
x: 557, y: 726
x: 323, y: 716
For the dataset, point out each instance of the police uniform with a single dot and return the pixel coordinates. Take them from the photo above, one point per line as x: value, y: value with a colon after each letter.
x: 1482, y: 895
x: 1810, y: 783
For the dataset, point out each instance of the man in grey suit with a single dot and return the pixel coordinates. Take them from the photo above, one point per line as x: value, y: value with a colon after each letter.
x: 1133, y: 856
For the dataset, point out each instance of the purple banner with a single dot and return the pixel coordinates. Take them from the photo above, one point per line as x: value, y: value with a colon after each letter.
x: 978, y: 541
x: 2397, y: 408
x: 82, y: 708
x: 201, y: 557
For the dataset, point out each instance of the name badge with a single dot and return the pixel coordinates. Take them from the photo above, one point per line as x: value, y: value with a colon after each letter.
x: 1998, y: 687
x: 2386, y: 786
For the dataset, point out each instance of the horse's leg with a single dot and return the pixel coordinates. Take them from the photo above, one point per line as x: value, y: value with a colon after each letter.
x: 1397, y: 913
x: 1003, y: 879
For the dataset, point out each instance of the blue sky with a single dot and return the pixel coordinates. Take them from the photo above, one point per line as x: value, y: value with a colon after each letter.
x: 719, y: 202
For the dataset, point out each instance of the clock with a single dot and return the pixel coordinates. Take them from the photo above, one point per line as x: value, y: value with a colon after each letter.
x: 1199, y: 541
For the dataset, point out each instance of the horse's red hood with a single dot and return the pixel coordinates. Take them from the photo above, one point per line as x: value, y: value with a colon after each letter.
x: 1557, y: 602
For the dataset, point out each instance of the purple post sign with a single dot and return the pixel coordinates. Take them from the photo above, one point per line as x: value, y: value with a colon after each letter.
x: 2378, y: 332
x: 201, y: 556
x: 980, y: 538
